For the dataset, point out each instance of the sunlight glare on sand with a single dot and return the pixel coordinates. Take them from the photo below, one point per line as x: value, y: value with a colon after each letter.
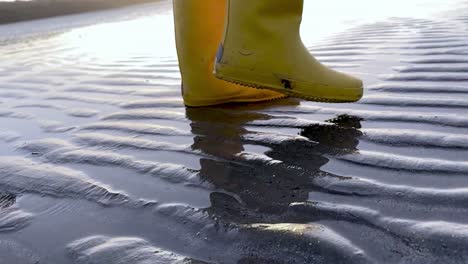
x: 147, y: 35
x: 325, y: 18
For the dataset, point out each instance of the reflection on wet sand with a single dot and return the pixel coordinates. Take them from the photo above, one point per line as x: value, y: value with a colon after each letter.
x: 254, y: 191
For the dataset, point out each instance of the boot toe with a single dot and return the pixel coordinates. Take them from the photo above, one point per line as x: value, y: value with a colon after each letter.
x: 344, y: 88
x: 353, y: 88
x: 356, y: 83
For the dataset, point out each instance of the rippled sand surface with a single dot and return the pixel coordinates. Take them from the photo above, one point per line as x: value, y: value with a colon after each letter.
x: 102, y: 163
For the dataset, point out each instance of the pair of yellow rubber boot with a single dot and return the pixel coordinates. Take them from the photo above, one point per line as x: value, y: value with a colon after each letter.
x: 250, y: 51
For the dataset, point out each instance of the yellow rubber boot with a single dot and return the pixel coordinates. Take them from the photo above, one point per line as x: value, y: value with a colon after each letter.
x: 199, y: 26
x: 262, y: 48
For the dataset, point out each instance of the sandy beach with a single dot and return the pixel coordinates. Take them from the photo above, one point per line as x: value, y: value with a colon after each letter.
x: 102, y: 163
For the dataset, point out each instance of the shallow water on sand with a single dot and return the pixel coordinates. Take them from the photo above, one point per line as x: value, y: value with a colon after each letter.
x: 102, y: 163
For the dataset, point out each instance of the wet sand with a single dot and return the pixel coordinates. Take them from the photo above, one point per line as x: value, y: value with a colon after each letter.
x: 102, y: 163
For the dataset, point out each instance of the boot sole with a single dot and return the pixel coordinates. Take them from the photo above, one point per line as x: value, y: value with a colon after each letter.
x: 232, y: 101
x: 286, y: 91
x: 229, y: 100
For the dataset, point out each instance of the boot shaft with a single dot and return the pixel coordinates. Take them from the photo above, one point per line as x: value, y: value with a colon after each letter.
x: 275, y: 8
x: 266, y: 18
x: 198, y: 27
